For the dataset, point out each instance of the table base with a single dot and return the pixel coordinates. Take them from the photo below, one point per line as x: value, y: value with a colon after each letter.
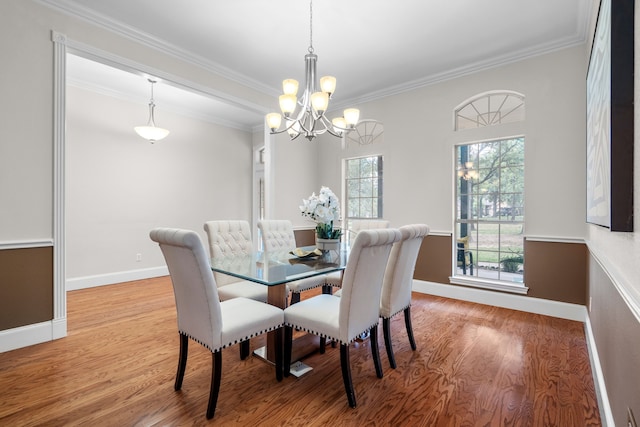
x: 303, y: 346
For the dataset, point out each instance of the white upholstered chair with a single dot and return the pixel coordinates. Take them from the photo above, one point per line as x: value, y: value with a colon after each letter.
x: 231, y: 239
x: 335, y: 279
x: 278, y: 235
x: 345, y: 319
x: 398, y: 282
x: 201, y: 315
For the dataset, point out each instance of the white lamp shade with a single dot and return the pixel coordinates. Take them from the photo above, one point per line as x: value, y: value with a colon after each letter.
x: 351, y: 116
x: 288, y: 103
x: 320, y: 101
x: 151, y: 133
x: 339, y: 124
x: 328, y: 84
x: 274, y: 120
x: 290, y: 87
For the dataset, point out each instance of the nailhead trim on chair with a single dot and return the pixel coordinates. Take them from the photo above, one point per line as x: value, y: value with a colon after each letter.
x: 306, y: 289
x: 330, y: 337
x: 231, y: 343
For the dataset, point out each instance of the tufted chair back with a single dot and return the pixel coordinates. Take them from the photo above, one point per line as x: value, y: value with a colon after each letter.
x: 228, y: 239
x: 362, y: 281
x: 194, y: 287
x: 277, y: 235
x: 398, y: 277
x: 358, y: 225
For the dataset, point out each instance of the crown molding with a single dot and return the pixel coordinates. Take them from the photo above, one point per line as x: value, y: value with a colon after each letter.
x: 85, y: 14
x: 187, y: 112
x: 80, y: 12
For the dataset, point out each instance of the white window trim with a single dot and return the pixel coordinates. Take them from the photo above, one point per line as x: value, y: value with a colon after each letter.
x: 472, y: 281
x: 494, y: 285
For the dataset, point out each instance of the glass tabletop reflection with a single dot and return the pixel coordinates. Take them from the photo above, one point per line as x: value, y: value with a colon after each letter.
x: 275, y: 268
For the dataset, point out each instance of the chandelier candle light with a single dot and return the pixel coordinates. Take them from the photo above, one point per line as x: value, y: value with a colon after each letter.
x: 151, y: 132
x: 324, y: 210
x: 307, y: 114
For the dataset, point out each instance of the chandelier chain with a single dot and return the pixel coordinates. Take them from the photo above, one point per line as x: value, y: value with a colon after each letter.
x: 311, y: 26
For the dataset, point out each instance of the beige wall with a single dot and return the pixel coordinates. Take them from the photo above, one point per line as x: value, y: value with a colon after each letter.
x: 120, y: 186
x: 419, y: 144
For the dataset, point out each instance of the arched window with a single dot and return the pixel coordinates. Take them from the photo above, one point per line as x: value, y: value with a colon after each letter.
x: 367, y: 131
x: 490, y: 108
x: 489, y: 216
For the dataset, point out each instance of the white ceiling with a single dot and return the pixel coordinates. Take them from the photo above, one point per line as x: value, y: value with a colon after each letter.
x: 373, y: 47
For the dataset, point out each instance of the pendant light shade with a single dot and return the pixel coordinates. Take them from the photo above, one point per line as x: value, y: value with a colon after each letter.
x: 150, y: 131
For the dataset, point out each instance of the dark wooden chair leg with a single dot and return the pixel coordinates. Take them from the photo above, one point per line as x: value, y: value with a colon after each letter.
x: 288, y: 344
x: 278, y: 354
x: 323, y: 344
x: 295, y: 298
x: 327, y: 289
x: 182, y: 361
x: 346, y: 374
x: 386, y: 329
x: 375, y: 353
x: 245, y: 348
x: 407, y: 323
x: 216, y: 374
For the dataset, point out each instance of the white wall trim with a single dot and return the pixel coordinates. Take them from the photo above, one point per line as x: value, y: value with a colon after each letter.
x: 87, y: 51
x: 59, y: 126
x: 554, y: 239
x: 492, y: 285
x: 24, y: 336
x: 625, y: 290
x: 147, y: 40
x: 545, y: 307
x: 26, y: 244
x: 440, y: 233
x: 118, y: 277
x: 598, y: 377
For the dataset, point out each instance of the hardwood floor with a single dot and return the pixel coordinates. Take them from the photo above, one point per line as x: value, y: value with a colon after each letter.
x: 475, y: 365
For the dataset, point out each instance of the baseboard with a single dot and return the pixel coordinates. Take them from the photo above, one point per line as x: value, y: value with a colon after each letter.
x: 111, y: 278
x: 606, y: 415
x: 545, y: 307
x: 24, y: 336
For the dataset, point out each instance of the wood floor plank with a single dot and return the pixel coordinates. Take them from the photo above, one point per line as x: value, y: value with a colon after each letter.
x: 475, y: 365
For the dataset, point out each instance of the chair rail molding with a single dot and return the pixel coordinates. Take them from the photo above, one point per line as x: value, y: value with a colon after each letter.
x: 26, y: 244
x: 626, y: 291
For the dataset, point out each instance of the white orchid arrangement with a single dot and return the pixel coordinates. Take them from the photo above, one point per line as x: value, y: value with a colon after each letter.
x: 323, y: 209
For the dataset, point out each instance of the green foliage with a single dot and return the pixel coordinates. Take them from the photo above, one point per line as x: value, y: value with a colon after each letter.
x: 511, y: 264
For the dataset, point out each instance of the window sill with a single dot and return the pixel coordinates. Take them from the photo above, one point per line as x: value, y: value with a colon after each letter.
x: 494, y: 285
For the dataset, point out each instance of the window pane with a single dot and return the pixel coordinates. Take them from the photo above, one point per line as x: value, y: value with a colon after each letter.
x: 366, y: 208
x: 490, y: 209
x: 353, y: 208
x: 364, y: 187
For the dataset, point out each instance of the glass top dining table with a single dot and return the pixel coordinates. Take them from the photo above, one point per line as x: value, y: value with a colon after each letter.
x: 277, y: 268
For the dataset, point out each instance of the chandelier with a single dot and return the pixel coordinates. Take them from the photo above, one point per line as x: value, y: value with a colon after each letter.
x: 150, y: 131
x: 467, y: 172
x: 306, y: 116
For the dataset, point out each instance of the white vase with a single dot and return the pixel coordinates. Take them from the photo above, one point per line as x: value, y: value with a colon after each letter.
x: 327, y: 244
